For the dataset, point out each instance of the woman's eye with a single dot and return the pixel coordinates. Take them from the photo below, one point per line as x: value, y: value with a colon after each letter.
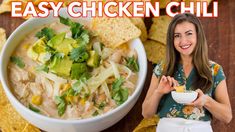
x: 177, y: 36
x: 189, y: 34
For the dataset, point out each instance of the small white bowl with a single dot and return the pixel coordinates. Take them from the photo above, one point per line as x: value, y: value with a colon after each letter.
x: 184, y: 97
x: 49, y: 124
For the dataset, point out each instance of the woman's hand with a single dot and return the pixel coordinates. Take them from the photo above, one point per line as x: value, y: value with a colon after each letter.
x: 201, y: 99
x: 155, y: 92
x: 166, y: 85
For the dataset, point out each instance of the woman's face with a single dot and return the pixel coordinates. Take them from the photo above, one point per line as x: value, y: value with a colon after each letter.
x: 185, y: 38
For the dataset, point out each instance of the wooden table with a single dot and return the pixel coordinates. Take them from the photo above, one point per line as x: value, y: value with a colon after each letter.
x: 220, y: 33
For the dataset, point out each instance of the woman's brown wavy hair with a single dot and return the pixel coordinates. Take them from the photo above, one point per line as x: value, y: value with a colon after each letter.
x: 203, y: 79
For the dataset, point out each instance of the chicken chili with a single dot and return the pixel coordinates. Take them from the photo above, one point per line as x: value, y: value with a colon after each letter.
x: 63, y: 71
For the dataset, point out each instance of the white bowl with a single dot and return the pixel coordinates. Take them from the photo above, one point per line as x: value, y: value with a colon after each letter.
x: 184, y: 97
x: 97, y: 123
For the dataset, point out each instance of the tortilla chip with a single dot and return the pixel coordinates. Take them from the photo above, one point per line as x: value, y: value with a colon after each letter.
x: 163, y: 3
x: 114, y: 31
x: 2, y: 38
x: 139, y: 23
x: 155, y: 51
x: 30, y: 128
x: 10, y: 120
x: 147, y: 125
x: 3, y: 100
x: 5, y: 7
x: 158, y: 30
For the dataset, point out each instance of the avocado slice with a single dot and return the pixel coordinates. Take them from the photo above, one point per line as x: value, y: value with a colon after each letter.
x: 94, y: 59
x: 56, y: 40
x: 37, y: 48
x: 32, y: 54
x: 78, y: 70
x: 66, y: 46
x: 61, y: 66
x: 62, y: 44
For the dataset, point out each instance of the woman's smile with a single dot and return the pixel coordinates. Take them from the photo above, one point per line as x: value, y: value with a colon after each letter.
x: 185, y: 47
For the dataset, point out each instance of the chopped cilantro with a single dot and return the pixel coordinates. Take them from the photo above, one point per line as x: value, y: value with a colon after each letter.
x: 77, y: 70
x: 76, y: 28
x: 125, y: 94
x: 61, y: 105
x: 101, y: 105
x: 77, y: 87
x: 17, y: 61
x: 31, y: 107
x: 132, y: 64
x: 69, y: 92
x: 78, y: 32
x: 84, y: 38
x: 66, y: 21
x: 95, y: 113
x: 119, y: 94
x: 47, y: 32
x: 79, y: 54
x: 117, y: 84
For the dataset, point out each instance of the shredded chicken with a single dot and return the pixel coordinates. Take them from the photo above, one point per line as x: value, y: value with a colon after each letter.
x: 46, y: 84
x: 49, y: 106
x: 17, y: 74
x: 35, y: 88
x: 116, y: 56
x: 73, y: 112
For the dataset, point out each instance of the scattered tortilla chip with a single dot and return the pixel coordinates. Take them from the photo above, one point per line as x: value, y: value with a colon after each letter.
x: 114, y: 31
x: 10, y: 120
x: 163, y: 3
x: 139, y: 23
x: 2, y: 38
x: 5, y: 6
x: 155, y: 51
x: 3, y: 100
x: 158, y: 30
x: 147, y: 125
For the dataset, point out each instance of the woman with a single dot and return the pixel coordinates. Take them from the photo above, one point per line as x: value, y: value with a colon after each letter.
x: 187, y: 64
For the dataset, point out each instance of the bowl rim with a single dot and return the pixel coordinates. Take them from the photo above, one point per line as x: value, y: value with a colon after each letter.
x: 13, y: 99
x: 191, y: 92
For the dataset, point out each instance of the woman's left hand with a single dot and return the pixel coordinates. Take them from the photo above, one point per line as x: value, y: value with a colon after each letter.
x: 201, y: 99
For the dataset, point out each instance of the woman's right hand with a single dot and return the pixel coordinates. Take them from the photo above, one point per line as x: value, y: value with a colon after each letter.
x: 166, y: 85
